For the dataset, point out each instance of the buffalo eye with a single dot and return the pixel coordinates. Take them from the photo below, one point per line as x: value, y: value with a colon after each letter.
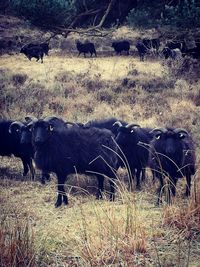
x: 51, y: 128
x: 158, y: 136
x: 181, y: 135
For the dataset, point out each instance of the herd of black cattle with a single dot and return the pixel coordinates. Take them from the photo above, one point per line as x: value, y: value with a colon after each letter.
x: 173, y: 49
x: 99, y: 148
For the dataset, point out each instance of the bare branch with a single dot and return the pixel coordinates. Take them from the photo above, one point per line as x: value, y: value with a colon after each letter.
x: 92, y: 31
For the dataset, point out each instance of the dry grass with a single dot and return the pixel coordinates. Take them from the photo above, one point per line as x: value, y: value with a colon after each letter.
x: 131, y: 231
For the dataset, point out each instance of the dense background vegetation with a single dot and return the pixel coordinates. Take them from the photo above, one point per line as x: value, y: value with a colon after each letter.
x: 73, y: 13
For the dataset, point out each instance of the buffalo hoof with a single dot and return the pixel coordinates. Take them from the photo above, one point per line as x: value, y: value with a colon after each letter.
x: 59, y: 201
x: 25, y: 173
x: 42, y: 181
x: 112, y: 198
x: 138, y: 188
x: 65, y: 200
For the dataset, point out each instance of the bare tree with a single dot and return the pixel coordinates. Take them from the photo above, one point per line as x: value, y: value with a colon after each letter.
x: 95, y: 30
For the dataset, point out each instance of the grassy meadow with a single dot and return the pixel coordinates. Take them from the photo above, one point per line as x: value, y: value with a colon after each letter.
x: 131, y: 231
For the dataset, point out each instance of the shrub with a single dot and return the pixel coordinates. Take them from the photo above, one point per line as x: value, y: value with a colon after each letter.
x: 187, y: 68
x: 19, y: 79
x: 53, y: 12
x: 16, y: 243
x: 153, y: 13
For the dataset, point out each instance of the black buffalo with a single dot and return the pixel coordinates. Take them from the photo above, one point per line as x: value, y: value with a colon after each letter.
x: 45, y: 47
x: 171, y: 53
x: 142, y: 50
x: 133, y: 142
x: 86, y: 48
x: 105, y: 124
x: 10, y: 144
x: 172, y: 155
x: 121, y: 46
x: 177, y: 44
x: 35, y: 51
x: 75, y: 150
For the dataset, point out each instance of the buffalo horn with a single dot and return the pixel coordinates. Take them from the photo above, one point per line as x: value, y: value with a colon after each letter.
x: 132, y: 125
x: 14, y: 124
x: 117, y: 123
x: 181, y: 130
x: 160, y: 130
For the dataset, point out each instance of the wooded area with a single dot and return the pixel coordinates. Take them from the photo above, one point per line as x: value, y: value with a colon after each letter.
x: 69, y: 14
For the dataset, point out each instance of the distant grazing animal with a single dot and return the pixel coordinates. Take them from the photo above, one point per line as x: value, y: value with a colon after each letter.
x: 133, y: 142
x: 152, y: 44
x: 10, y: 144
x: 45, y: 47
x: 142, y: 50
x: 172, y: 155
x: 171, y: 53
x: 86, y: 48
x: 194, y: 52
x: 105, y: 124
x: 121, y: 46
x: 35, y: 51
x: 181, y: 45
x: 74, y: 150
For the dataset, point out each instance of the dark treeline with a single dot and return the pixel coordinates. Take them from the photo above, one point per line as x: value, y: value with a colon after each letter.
x: 87, y: 13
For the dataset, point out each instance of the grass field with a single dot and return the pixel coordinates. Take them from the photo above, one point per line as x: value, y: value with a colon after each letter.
x: 132, y: 231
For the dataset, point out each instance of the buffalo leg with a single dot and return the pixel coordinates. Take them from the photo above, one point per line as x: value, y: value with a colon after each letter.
x: 171, y: 190
x: 41, y: 57
x: 100, y: 179
x: 25, y: 166
x: 138, y: 173
x: 188, y: 186
x: 161, y: 188
x: 32, y: 170
x: 143, y: 175
x: 62, y: 197
x: 112, y: 190
x: 45, y: 176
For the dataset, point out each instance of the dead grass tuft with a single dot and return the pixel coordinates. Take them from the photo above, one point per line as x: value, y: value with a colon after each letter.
x: 16, y: 243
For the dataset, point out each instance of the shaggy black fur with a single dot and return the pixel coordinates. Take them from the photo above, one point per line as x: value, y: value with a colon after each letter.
x: 133, y: 141
x: 74, y: 150
x: 86, y: 48
x: 105, y: 124
x: 142, y: 50
x: 44, y: 46
x: 34, y: 51
x: 172, y: 154
x: 121, y: 46
x: 10, y: 145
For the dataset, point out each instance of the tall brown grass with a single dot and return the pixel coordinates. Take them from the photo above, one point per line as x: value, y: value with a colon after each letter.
x: 16, y: 243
